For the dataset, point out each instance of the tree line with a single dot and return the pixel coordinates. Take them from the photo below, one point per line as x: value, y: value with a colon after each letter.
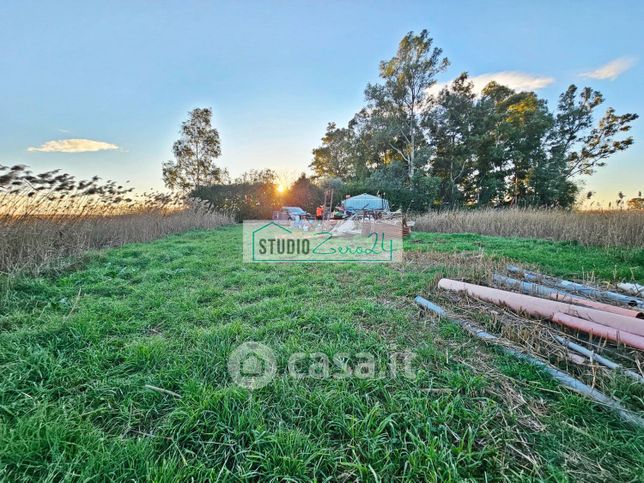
x: 457, y: 147
x: 424, y: 147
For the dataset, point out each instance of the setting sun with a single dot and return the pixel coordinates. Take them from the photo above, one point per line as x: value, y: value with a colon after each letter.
x: 281, y: 188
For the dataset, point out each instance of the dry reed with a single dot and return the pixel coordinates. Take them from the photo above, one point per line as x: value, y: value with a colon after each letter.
x: 47, y: 219
x: 617, y: 228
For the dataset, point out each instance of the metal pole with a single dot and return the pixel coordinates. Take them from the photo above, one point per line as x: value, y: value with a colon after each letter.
x: 564, y: 378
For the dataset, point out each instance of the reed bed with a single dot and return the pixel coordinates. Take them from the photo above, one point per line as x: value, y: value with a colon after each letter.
x: 49, y: 218
x: 616, y: 228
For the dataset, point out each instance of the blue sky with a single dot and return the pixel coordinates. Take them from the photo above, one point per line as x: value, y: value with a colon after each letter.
x: 275, y: 72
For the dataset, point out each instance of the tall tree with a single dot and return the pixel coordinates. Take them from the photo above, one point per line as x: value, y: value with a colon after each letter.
x: 333, y: 158
x: 486, y: 185
x: 523, y: 129
x: 497, y: 148
x: 195, y: 153
x: 370, y: 152
x: 582, y: 146
x: 304, y: 193
x: 451, y: 125
x: 397, y: 104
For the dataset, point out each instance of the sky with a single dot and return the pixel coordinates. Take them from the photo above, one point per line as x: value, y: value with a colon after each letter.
x: 102, y: 87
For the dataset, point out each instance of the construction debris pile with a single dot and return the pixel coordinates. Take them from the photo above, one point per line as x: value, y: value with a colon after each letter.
x: 359, y: 214
x: 355, y: 215
x: 362, y: 222
x: 598, y: 320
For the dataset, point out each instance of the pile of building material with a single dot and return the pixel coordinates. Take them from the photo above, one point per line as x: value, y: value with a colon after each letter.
x: 363, y: 212
x: 390, y: 222
x: 579, y: 288
x: 587, y: 311
x: 625, y: 327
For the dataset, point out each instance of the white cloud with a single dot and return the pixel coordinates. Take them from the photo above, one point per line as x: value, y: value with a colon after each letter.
x: 73, y: 146
x: 611, y: 70
x: 518, y: 81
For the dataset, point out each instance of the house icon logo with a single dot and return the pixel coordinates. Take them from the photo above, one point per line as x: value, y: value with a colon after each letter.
x: 349, y: 241
x: 274, y: 227
x: 252, y: 365
x: 269, y: 229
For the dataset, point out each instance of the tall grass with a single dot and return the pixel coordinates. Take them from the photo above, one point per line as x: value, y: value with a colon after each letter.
x: 47, y: 218
x: 598, y: 228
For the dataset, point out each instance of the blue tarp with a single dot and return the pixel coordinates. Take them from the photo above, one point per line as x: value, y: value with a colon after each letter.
x: 365, y: 202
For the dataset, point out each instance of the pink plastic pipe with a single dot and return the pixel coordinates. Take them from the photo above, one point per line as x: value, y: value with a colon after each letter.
x: 543, y: 307
x: 535, y: 289
x: 596, y: 305
x: 599, y: 330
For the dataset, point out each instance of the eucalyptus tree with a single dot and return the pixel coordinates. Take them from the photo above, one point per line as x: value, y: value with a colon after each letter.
x: 397, y: 104
x: 195, y: 153
x: 496, y: 148
x: 581, y: 145
x: 451, y: 126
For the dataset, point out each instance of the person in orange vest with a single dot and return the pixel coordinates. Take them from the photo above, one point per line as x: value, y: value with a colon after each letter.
x: 319, y: 213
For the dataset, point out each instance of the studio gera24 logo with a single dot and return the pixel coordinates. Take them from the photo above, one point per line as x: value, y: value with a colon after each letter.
x: 343, y: 241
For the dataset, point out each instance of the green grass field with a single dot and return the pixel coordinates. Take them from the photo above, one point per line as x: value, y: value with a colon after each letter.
x: 77, y: 350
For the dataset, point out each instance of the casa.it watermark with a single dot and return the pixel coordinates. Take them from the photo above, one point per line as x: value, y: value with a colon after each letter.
x: 253, y: 365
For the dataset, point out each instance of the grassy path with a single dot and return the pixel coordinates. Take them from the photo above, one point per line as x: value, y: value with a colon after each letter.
x: 564, y: 259
x: 77, y: 351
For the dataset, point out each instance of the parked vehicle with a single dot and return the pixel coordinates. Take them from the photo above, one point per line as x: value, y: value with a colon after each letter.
x: 292, y: 213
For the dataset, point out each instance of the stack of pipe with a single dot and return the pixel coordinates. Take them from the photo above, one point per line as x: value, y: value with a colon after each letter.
x: 562, y: 377
x: 579, y: 288
x: 555, y: 302
x: 530, y: 288
x: 632, y: 288
x: 614, y: 323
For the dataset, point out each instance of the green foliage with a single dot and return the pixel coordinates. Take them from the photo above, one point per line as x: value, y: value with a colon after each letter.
x: 252, y: 196
x: 577, y: 142
x: 391, y: 182
x: 334, y: 157
x: 455, y: 138
x: 396, y: 105
x: 562, y: 259
x: 303, y: 193
x: 497, y: 148
x: 195, y: 153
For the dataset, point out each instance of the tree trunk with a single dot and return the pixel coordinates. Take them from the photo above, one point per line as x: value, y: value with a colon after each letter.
x: 412, y: 157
